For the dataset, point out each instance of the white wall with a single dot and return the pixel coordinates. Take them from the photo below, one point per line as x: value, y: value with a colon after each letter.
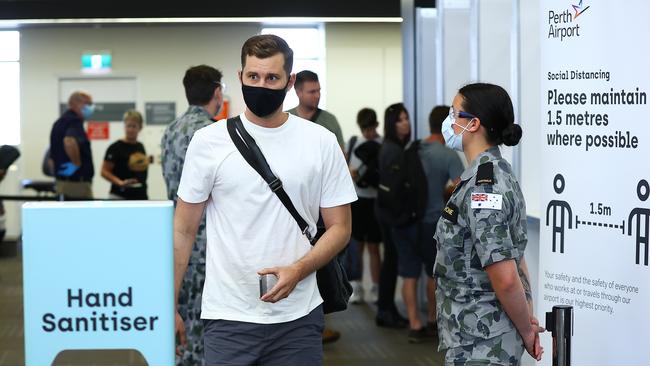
x: 530, y: 105
x: 363, y: 69
x: 494, y: 67
x: 456, y: 50
x: 495, y: 32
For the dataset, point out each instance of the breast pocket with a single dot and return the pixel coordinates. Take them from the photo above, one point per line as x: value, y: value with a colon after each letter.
x: 451, y: 236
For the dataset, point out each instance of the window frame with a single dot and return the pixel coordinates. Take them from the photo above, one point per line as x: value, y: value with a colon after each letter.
x: 317, y: 59
x: 10, y: 91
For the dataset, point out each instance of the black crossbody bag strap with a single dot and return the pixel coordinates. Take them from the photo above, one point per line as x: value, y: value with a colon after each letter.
x: 253, y: 155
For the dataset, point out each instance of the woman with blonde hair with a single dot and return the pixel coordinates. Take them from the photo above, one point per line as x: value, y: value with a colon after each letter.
x: 126, y: 162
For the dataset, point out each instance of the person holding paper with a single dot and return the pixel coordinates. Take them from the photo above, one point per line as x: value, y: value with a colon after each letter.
x: 126, y: 162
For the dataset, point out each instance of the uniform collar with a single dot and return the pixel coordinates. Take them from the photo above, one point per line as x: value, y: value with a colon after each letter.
x: 491, y: 154
x: 195, y: 109
x: 72, y: 115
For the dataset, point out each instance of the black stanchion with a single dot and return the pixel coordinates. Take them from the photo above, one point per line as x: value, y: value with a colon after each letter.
x: 58, y: 197
x: 29, y: 198
x: 560, y: 323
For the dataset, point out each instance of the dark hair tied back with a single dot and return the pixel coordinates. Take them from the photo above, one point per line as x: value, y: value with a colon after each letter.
x: 511, y: 135
x: 492, y: 105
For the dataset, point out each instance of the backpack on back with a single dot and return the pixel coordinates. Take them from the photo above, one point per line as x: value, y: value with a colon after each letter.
x: 351, y: 144
x: 402, y: 193
x: 8, y: 155
x: 368, y: 153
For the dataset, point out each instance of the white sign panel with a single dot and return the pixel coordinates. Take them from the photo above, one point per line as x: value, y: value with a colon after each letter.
x: 594, y: 225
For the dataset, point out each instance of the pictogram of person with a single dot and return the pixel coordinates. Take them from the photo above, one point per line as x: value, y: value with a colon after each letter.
x: 643, y: 219
x: 558, y: 228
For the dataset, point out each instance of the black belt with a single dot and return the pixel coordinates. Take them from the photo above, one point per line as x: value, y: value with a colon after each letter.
x: 74, y: 179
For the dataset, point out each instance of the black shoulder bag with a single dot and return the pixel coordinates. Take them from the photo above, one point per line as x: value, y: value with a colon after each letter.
x: 333, y: 284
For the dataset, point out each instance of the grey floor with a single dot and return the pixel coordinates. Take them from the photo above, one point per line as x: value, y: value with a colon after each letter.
x: 362, y: 343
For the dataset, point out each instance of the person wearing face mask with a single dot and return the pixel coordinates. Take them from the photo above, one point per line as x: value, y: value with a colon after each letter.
x: 126, y: 163
x: 251, y: 233
x: 70, y: 149
x: 483, y: 291
x: 204, y: 92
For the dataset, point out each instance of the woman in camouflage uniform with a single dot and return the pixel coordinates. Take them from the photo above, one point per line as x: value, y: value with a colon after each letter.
x: 483, y: 294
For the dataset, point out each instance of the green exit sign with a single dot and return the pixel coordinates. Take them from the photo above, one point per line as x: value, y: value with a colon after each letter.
x: 96, y: 62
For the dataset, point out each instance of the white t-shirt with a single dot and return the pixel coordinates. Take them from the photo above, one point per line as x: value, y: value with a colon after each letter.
x: 248, y: 228
x: 355, y: 163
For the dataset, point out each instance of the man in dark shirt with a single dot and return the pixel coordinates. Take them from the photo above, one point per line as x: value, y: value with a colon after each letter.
x: 70, y: 149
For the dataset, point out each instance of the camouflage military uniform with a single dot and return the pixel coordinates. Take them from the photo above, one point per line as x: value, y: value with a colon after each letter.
x: 469, y: 238
x: 174, y: 143
x: 505, y: 349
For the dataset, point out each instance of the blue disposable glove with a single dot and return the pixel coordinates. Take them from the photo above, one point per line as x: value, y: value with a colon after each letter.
x: 67, y: 169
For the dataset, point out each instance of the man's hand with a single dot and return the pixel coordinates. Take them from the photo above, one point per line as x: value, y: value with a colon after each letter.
x: 180, y: 333
x: 531, y: 341
x: 67, y: 169
x: 288, y: 278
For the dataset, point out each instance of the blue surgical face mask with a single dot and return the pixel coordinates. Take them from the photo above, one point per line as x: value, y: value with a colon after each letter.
x: 87, y: 110
x: 452, y: 140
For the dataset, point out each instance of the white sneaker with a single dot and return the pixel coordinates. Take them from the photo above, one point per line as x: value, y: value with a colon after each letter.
x: 374, y: 294
x: 357, y: 293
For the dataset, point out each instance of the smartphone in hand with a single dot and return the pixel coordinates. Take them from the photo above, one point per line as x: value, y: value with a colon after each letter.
x: 267, y: 282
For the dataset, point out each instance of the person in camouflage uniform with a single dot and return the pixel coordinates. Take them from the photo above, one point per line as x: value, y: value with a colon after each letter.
x: 204, y: 92
x: 483, y: 294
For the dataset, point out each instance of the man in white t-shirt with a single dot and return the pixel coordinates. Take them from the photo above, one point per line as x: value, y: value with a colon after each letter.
x: 251, y: 233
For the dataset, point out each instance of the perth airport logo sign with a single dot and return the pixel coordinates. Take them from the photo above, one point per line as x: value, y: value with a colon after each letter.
x: 563, y: 23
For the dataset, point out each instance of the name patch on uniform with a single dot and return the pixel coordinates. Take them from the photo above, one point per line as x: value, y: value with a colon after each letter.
x: 491, y: 201
x: 450, y: 213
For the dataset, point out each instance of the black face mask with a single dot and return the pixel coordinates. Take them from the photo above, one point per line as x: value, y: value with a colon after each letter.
x: 263, y: 101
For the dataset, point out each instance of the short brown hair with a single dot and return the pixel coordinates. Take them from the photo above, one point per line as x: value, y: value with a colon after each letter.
x: 436, y: 117
x: 367, y: 118
x: 200, y: 83
x: 265, y: 46
x: 303, y: 76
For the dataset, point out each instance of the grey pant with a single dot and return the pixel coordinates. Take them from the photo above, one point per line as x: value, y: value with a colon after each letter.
x: 503, y: 350
x: 232, y: 343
